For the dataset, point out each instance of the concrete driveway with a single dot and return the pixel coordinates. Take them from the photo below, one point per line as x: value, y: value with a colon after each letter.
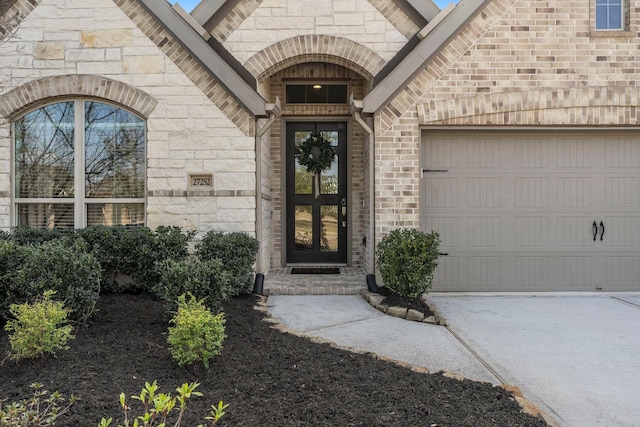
x: 576, y: 356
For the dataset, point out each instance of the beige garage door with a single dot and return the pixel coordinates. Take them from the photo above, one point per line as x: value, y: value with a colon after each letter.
x: 533, y: 211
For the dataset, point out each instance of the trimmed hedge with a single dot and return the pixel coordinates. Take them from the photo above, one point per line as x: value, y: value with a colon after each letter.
x: 62, y: 265
x: 237, y: 251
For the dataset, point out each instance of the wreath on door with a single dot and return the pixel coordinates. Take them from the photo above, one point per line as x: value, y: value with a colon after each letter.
x: 319, y: 159
x: 316, y: 154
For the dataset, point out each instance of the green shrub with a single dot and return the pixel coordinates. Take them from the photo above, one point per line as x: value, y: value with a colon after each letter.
x: 407, y: 259
x: 39, y: 328
x: 60, y: 265
x: 197, y: 334
x: 11, y: 256
x: 206, y: 280
x: 237, y: 251
x: 4, y: 235
x: 107, y: 245
x: 167, y: 243
x: 42, y: 409
x: 157, y: 407
x: 37, y: 236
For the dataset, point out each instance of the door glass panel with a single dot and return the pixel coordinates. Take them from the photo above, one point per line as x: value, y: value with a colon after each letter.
x: 329, y: 228
x: 304, y: 178
x: 329, y: 177
x: 304, y: 228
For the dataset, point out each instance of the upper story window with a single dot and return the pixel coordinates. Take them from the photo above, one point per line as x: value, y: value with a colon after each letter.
x: 316, y: 93
x: 610, y: 15
x: 79, y: 163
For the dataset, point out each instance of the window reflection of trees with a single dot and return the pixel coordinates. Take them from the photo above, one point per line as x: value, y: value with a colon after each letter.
x: 46, y: 141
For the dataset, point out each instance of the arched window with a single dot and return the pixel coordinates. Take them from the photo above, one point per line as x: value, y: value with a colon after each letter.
x: 79, y: 163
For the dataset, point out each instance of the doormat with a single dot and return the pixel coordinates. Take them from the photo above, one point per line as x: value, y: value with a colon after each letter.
x: 315, y: 270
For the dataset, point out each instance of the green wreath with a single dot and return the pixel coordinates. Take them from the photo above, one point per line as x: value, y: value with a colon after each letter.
x: 320, y: 162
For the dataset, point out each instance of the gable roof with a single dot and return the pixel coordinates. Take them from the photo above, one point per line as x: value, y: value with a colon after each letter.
x: 208, y: 56
x: 435, y: 35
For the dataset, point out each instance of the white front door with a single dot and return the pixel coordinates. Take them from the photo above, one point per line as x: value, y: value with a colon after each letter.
x: 516, y: 211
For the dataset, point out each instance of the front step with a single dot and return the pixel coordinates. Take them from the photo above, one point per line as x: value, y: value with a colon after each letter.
x: 350, y: 281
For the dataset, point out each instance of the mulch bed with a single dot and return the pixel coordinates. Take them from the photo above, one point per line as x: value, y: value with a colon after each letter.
x: 269, y: 378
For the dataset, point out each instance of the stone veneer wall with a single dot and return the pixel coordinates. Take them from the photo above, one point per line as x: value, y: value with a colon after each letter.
x: 272, y: 21
x: 517, y: 62
x: 187, y: 131
x: 359, y: 223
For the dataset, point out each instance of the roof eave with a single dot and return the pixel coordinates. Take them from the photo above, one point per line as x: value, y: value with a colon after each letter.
x: 192, y: 41
x: 414, y: 61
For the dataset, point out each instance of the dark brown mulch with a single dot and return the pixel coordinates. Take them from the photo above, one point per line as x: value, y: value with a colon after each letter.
x: 392, y: 299
x: 269, y: 378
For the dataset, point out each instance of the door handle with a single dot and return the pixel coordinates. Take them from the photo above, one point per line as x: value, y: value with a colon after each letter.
x: 602, y: 230
x: 595, y: 230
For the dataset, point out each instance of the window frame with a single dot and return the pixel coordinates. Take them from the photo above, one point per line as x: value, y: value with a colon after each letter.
x: 79, y: 200
x: 624, y: 20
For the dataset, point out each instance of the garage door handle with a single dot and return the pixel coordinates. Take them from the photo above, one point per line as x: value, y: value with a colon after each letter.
x: 595, y: 230
x: 602, y: 230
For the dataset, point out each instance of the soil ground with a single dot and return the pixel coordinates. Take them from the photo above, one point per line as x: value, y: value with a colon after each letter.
x: 268, y: 378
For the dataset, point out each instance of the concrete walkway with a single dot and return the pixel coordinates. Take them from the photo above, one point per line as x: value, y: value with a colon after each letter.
x: 576, y: 356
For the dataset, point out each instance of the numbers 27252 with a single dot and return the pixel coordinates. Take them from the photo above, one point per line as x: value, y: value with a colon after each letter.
x: 201, y: 181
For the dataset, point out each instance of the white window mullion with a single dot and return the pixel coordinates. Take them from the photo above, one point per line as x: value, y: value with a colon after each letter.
x: 79, y: 211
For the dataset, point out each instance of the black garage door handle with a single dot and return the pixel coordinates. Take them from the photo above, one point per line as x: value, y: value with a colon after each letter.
x: 601, y: 232
x: 595, y: 230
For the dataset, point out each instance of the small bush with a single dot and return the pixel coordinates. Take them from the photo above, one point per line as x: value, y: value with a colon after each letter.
x: 157, y: 407
x: 11, y: 257
x: 39, y: 328
x: 237, y: 251
x: 42, y: 409
x: 206, y: 280
x: 61, y: 265
x: 407, y: 259
x: 197, y: 335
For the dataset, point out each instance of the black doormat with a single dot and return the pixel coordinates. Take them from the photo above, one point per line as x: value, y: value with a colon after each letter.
x: 315, y: 270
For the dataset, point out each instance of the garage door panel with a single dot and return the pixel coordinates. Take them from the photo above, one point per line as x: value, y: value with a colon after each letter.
x: 620, y: 232
x: 575, y: 273
x: 622, y: 153
x: 441, y: 192
x: 532, y: 231
x: 533, y: 272
x: 573, y: 191
x: 622, y: 192
x: 484, y: 272
x: 483, y: 232
x: 483, y: 192
x: 531, y: 192
x: 622, y: 272
x: 531, y: 153
x: 516, y: 211
x: 574, y: 231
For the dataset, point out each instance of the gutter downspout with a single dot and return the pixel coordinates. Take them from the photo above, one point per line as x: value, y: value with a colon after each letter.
x: 272, y: 110
x: 356, y: 110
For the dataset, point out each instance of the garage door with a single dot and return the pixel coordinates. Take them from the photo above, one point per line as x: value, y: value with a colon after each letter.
x: 533, y: 212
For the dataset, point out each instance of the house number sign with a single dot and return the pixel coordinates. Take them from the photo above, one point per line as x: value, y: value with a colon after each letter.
x: 201, y: 181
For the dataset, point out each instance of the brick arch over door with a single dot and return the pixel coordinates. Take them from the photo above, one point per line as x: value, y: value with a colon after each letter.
x: 583, y: 106
x: 315, y: 48
x: 29, y: 94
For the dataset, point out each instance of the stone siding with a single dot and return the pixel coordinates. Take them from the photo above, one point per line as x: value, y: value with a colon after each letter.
x: 516, y: 63
x: 272, y: 21
x: 74, y: 49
